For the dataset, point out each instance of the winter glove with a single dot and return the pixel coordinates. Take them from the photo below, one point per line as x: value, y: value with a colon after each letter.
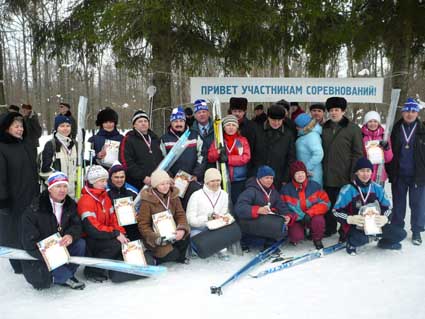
x: 384, y: 145
x: 306, y: 219
x: 381, y: 220
x: 356, y: 220
x: 161, y: 241
x: 223, y: 156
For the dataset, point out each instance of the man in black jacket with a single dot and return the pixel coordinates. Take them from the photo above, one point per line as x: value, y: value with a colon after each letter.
x: 406, y: 171
x: 32, y: 124
x: 53, y: 212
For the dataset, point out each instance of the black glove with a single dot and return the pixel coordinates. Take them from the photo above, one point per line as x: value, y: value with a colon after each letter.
x: 384, y: 145
x: 306, y: 219
x: 223, y: 156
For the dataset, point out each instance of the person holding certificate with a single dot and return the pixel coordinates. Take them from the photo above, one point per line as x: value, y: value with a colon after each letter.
x: 54, y: 212
x: 162, y: 220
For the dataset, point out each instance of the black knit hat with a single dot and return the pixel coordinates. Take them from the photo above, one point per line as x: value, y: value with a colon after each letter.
x: 138, y: 114
x: 284, y: 103
x: 106, y: 115
x: 316, y: 106
x: 336, y: 102
x: 238, y: 103
x: 259, y: 107
x: 276, y: 112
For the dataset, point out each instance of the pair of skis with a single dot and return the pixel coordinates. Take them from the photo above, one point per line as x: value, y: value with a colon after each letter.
x: 108, y: 264
x: 267, y: 255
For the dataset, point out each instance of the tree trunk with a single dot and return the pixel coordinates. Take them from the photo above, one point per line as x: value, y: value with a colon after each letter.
x: 24, y: 41
x: 2, y: 93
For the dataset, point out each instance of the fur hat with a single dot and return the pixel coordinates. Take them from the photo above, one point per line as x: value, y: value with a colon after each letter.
x: 297, y: 166
x: 138, y: 114
x: 159, y: 176
x: 336, y: 102
x: 178, y: 114
x: 411, y: 106
x: 316, y: 106
x: 116, y: 167
x: 276, y: 112
x: 8, y: 118
x: 372, y: 115
x: 230, y: 119
x: 95, y: 173
x: 60, y: 119
x: 283, y: 103
x: 363, y: 162
x: 238, y: 103
x: 57, y: 178
x: 200, y: 105
x: 212, y: 174
x: 302, y: 120
x: 265, y: 171
x: 106, y: 115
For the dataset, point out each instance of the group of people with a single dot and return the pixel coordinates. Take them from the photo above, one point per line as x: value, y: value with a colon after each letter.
x: 291, y: 174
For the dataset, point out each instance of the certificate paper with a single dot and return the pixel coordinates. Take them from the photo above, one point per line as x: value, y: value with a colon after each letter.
x: 133, y: 253
x: 53, y: 253
x: 124, y: 209
x: 112, y: 149
x: 181, y: 182
x: 164, y: 224
x: 375, y: 154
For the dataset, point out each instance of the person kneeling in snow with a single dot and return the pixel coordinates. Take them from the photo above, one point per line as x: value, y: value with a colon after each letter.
x: 261, y: 212
x: 360, y: 219
x: 309, y: 201
x: 163, y: 198
x: 53, y: 212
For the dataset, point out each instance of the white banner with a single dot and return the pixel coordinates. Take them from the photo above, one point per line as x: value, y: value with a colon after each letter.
x: 355, y: 90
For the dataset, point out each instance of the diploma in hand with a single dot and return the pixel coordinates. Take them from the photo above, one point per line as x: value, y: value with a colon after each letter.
x: 124, y: 209
x: 164, y: 224
x: 133, y: 253
x: 53, y: 253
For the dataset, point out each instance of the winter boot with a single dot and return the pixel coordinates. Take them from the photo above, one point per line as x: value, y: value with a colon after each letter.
x: 385, y: 245
x: 318, y: 244
x: 416, y: 239
x: 351, y: 250
x: 74, y: 283
x: 95, y: 275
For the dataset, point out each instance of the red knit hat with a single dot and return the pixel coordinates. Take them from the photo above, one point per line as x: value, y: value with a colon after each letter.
x: 296, y: 167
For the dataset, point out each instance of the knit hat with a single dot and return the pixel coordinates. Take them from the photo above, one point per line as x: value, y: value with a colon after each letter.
x: 276, y: 112
x: 230, y: 119
x: 411, y: 106
x: 238, y: 103
x: 319, y: 106
x: 188, y: 111
x: 95, y: 173
x: 336, y: 102
x: 200, y: 105
x: 178, y: 114
x: 372, y: 115
x: 302, y: 120
x: 60, y: 119
x: 139, y: 114
x: 283, y: 103
x: 294, y: 104
x: 106, y: 115
x: 363, y: 162
x: 116, y: 167
x: 57, y: 178
x: 259, y: 107
x: 265, y: 171
x: 297, y: 166
x: 212, y: 174
x: 159, y: 176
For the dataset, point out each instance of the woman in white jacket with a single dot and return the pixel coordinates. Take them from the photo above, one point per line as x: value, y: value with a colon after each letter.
x: 210, y: 202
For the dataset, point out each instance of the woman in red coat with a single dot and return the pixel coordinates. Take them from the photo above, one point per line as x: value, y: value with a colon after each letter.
x: 235, y: 152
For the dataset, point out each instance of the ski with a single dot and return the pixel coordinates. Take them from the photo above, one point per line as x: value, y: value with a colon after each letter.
x: 294, y: 261
x: 258, y: 259
x: 219, y: 143
x: 175, y: 152
x: 109, y: 264
x: 82, y: 110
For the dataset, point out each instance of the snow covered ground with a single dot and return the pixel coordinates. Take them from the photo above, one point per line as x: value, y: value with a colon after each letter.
x: 373, y: 284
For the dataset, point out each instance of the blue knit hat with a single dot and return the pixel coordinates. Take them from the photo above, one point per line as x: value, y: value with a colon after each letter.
x: 302, y: 120
x: 60, y: 119
x: 363, y: 162
x: 265, y: 171
x: 177, y: 114
x: 200, y: 105
x: 411, y: 106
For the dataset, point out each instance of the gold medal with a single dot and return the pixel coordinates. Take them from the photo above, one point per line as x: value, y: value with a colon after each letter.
x: 407, y: 146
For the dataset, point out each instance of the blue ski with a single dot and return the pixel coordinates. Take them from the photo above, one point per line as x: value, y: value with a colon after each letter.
x: 109, y: 264
x: 259, y: 258
x: 300, y: 260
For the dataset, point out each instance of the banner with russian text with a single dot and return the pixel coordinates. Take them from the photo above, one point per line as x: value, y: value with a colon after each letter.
x: 355, y: 90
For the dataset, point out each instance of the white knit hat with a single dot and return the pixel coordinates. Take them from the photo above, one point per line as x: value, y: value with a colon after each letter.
x: 159, y: 176
x: 95, y: 173
x: 372, y: 115
x: 211, y: 174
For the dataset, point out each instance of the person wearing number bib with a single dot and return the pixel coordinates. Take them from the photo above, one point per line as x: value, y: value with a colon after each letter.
x: 356, y: 195
x: 406, y: 171
x: 163, y: 198
x: 374, y: 147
